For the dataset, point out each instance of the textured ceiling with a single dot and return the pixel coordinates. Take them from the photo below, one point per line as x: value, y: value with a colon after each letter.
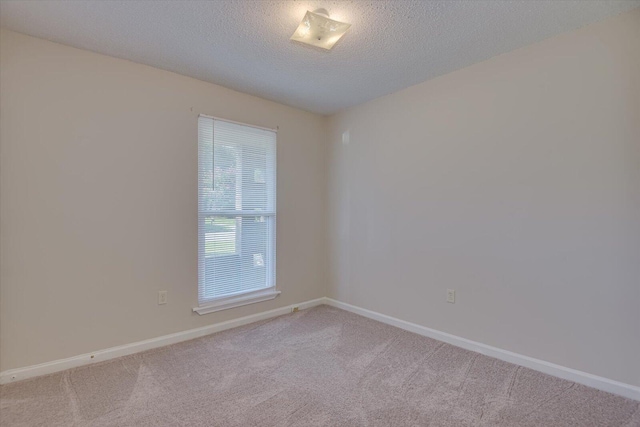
x: 244, y: 45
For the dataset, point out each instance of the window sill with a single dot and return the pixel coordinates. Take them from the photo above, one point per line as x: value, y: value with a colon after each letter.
x: 237, y: 301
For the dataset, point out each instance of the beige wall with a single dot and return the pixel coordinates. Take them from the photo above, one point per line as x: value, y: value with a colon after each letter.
x: 99, y: 197
x: 516, y: 182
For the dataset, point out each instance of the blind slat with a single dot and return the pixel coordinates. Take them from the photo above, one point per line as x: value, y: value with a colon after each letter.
x: 236, y: 207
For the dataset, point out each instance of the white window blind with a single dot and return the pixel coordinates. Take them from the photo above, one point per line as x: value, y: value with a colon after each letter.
x: 236, y: 210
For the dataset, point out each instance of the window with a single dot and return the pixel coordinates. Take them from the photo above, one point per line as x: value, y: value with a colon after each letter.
x: 236, y: 214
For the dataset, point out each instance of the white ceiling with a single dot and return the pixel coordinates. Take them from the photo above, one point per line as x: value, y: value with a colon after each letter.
x: 244, y: 45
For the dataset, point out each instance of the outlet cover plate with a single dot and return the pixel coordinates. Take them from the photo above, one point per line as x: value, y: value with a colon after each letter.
x: 162, y: 297
x: 451, y: 296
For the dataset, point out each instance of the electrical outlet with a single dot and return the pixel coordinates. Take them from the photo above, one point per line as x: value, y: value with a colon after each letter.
x: 162, y: 297
x: 345, y: 137
x: 294, y: 309
x: 451, y: 296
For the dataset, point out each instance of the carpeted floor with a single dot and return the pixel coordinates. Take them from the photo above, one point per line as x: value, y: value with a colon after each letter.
x: 318, y: 367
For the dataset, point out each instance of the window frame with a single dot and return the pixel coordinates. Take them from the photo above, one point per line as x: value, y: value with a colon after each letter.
x: 251, y: 296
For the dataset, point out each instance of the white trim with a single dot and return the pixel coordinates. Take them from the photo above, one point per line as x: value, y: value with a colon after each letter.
x: 601, y: 383
x: 18, y: 374
x: 239, y: 123
x: 237, y: 301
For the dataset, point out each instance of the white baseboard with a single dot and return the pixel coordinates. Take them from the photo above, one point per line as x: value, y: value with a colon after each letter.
x: 601, y: 383
x: 18, y: 374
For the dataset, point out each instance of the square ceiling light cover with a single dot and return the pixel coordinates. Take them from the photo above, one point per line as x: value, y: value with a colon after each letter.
x: 317, y: 29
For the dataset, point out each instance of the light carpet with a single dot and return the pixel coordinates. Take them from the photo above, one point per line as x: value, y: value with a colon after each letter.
x: 318, y: 367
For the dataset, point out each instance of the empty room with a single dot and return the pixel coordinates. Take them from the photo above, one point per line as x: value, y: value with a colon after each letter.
x: 241, y: 213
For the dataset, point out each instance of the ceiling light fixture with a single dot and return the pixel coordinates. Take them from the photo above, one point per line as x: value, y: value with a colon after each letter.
x: 316, y: 29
